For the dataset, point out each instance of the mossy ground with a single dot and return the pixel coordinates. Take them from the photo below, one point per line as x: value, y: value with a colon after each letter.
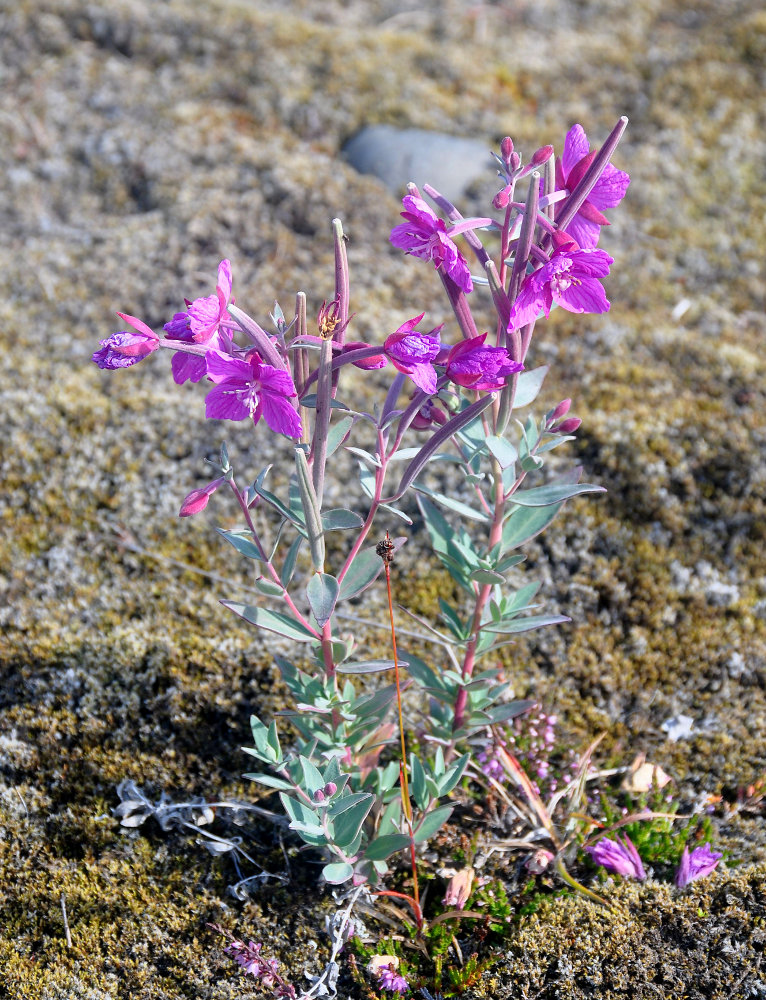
x: 144, y: 143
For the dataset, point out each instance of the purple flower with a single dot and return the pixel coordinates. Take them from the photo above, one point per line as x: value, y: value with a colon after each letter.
x: 570, y: 279
x: 425, y: 235
x: 701, y: 862
x: 474, y: 366
x: 200, y: 324
x: 124, y: 349
x: 412, y: 353
x: 246, y: 387
x: 389, y: 979
x: 608, y: 191
x: 266, y: 970
x: 618, y: 856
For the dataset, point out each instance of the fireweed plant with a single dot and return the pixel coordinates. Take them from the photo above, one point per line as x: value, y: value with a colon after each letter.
x: 348, y: 784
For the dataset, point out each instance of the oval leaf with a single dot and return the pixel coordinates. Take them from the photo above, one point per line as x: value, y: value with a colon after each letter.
x: 337, y: 873
x: 322, y: 593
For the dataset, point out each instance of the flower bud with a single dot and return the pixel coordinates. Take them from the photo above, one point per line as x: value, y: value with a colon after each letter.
x: 542, y: 155
x: 561, y: 411
x: 197, y: 499
x: 506, y: 148
x: 502, y: 197
x: 568, y: 426
x: 330, y: 788
x: 319, y: 795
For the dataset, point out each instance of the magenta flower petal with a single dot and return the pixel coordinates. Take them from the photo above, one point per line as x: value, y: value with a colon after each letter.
x: 619, y: 856
x: 608, y: 191
x: 221, y: 367
x: 475, y: 366
x: 280, y: 415
x: 701, y: 862
x: 587, y: 296
x: 569, y: 279
x: 124, y: 349
x: 197, y: 500
x: 207, y: 312
x: 228, y: 401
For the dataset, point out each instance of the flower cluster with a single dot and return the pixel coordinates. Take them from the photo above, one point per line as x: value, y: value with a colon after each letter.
x: 265, y: 970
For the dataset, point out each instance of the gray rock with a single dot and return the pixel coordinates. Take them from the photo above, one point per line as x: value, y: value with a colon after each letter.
x: 446, y: 162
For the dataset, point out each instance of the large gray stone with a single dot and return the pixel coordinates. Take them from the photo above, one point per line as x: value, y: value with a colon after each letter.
x: 396, y: 156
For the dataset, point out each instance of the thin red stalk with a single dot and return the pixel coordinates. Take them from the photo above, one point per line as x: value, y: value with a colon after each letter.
x: 403, y: 783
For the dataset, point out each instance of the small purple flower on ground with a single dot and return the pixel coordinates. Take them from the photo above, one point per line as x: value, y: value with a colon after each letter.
x: 425, y: 235
x: 570, y: 279
x: 608, y: 191
x: 197, y: 500
x: 266, y: 970
x: 618, y: 856
x: 412, y: 353
x: 701, y: 862
x: 474, y: 366
x: 389, y: 979
x: 246, y: 387
x: 124, y: 349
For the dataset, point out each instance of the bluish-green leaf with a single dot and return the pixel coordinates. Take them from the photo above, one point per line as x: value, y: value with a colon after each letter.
x: 453, y: 775
x: 338, y: 872
x: 270, y: 781
x: 322, y: 593
x: 267, y: 587
x: 544, y: 496
x: 524, y: 523
x: 509, y: 710
x: 451, y: 504
x: 337, y: 434
x: 432, y: 822
x: 487, y: 576
x: 242, y: 542
x: 383, y: 847
x: 364, y: 569
x: 419, y: 786
x: 341, y: 518
x: 348, y: 823
x: 367, y: 666
x: 503, y: 450
x: 271, y: 621
x: 529, y: 385
x: 312, y: 779
x: 288, y: 567
x: 515, y: 625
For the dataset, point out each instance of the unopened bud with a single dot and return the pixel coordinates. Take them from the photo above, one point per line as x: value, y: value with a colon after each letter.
x: 330, y: 788
x: 561, y: 411
x: 197, y: 499
x: 543, y: 154
x: 515, y: 161
x: 319, y: 795
x: 568, y: 426
x: 506, y: 149
x: 501, y: 198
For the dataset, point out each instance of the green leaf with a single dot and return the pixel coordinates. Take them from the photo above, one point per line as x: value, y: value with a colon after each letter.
x: 310, y: 401
x: 515, y: 625
x: 453, y: 775
x: 341, y: 518
x: 383, y: 847
x: 364, y: 569
x: 509, y: 710
x: 348, y: 823
x: 267, y: 587
x: 242, y: 542
x: 367, y: 666
x: 288, y: 567
x: 270, y: 780
x: 337, y: 872
x: 271, y: 621
x: 322, y: 593
x: 419, y: 786
x: 487, y: 576
x: 503, y: 450
x: 529, y: 385
x: 432, y: 822
x: 366, y: 480
x: 304, y: 820
x: 337, y: 434
x: 272, y: 739
x: 544, y: 496
x: 524, y: 523
x: 455, y: 505
x: 312, y: 779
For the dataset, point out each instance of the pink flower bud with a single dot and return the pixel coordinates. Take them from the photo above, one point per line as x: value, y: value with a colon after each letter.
x: 506, y: 148
x: 568, y: 426
x: 330, y: 788
x: 459, y: 889
x: 561, y: 411
x: 197, y: 499
x: 501, y: 198
x: 319, y: 795
x: 543, y: 154
x: 515, y: 161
